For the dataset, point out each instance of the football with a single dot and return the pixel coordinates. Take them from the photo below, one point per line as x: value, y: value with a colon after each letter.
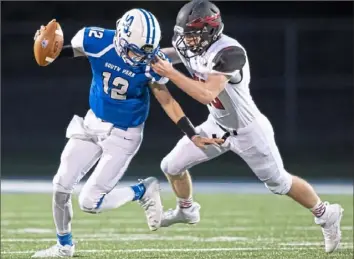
x: 48, y: 43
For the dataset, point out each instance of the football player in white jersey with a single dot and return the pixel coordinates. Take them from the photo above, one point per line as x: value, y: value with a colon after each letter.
x: 221, y: 73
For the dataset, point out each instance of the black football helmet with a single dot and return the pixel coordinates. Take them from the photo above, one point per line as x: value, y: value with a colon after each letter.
x: 198, y: 25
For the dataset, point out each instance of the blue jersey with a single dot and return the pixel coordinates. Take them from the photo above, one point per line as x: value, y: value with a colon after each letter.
x: 119, y: 92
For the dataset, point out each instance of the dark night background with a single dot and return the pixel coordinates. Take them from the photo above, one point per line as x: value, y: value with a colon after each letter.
x: 301, y: 57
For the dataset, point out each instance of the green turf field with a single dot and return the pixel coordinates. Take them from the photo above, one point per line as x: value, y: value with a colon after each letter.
x: 232, y: 226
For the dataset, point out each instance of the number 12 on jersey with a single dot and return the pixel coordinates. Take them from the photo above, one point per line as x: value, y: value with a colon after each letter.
x: 119, y: 89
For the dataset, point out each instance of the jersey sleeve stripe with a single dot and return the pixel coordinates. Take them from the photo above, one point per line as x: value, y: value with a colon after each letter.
x: 147, y: 24
x: 101, y: 53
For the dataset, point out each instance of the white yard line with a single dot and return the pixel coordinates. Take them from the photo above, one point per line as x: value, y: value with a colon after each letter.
x: 150, y: 250
x: 218, y: 249
x: 346, y: 244
x: 28, y: 231
x: 345, y: 228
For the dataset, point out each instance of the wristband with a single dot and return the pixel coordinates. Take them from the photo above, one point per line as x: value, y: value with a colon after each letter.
x: 186, y: 126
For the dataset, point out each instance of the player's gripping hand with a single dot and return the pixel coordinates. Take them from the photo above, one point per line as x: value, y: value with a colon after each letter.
x: 162, y: 67
x: 202, y: 142
x: 48, y: 43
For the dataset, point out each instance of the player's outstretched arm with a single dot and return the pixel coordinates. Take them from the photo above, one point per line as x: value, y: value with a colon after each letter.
x: 203, y: 92
x: 76, y: 48
x: 226, y: 64
x: 66, y: 52
x: 176, y: 114
x: 172, y: 54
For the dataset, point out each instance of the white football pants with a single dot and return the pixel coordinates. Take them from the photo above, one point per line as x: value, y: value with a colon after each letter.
x: 255, y: 144
x: 90, y: 140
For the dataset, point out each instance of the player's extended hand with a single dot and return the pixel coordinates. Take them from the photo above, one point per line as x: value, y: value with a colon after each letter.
x: 202, y: 142
x: 162, y: 67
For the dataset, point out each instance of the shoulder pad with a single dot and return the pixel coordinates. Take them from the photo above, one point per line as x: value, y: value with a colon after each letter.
x: 229, y: 59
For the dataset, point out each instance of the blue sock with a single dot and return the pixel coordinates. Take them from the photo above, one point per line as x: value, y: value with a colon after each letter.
x: 139, y: 190
x: 65, y: 239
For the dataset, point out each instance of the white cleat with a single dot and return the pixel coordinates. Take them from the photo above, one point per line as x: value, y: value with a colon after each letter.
x: 189, y: 215
x: 151, y: 202
x: 330, y: 223
x: 56, y: 251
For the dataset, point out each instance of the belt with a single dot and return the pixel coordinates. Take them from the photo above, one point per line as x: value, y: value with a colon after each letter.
x: 227, y: 134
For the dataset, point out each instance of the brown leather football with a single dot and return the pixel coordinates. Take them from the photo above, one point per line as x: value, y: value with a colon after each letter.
x: 49, y: 43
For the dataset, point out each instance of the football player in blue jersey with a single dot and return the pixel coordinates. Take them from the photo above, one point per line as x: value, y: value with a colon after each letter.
x: 112, y: 130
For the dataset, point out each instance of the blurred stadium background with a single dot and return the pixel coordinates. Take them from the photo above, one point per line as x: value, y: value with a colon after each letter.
x: 301, y: 57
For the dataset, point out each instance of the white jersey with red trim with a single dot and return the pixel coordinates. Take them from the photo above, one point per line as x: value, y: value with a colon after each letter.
x: 234, y: 107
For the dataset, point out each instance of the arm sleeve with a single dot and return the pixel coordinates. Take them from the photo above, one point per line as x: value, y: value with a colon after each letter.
x: 229, y: 61
x: 77, y: 43
x: 66, y: 52
x: 76, y: 48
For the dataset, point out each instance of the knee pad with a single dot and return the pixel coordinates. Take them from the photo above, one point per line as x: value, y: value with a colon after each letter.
x: 281, y: 184
x: 169, y: 168
x: 89, y: 204
x: 65, y: 180
x: 61, y: 186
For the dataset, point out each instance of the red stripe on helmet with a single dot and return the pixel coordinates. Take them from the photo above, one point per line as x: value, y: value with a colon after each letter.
x: 200, y: 22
